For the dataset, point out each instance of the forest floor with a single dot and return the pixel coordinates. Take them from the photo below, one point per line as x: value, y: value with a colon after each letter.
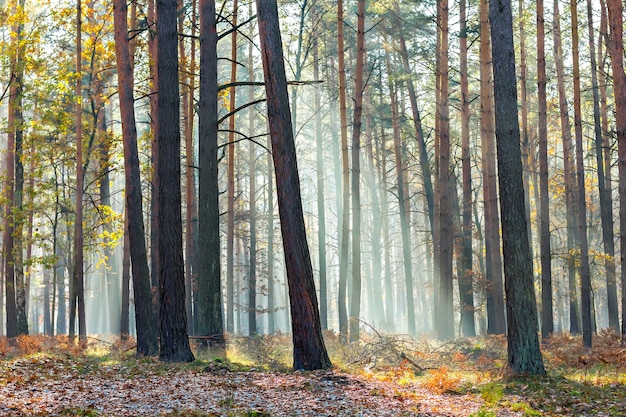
x: 383, y: 375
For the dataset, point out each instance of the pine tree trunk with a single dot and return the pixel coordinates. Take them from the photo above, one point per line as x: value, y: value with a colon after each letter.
x: 493, y: 265
x: 355, y: 302
x: 547, y: 322
x: 230, y: 184
x: 608, y: 238
x: 308, y: 346
x: 321, y: 211
x: 210, y: 305
x: 79, y: 290
x: 524, y: 355
x: 344, y: 242
x: 616, y: 49
x: 585, y: 274
x: 465, y: 273
x: 402, y: 203
x: 445, y: 319
x: 144, y: 314
x: 252, y: 286
x: 174, y: 342
x: 568, y: 173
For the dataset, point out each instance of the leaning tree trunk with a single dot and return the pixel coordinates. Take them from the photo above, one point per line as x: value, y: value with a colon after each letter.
x: 309, y: 351
x: 144, y: 315
x: 524, y: 355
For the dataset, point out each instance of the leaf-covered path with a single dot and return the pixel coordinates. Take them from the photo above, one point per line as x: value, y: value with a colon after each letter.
x: 44, y: 385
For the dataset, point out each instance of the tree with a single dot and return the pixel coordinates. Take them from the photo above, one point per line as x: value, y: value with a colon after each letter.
x: 616, y: 49
x: 355, y: 302
x: 466, y: 295
x: 524, y: 355
x: 308, y: 346
x: 585, y: 274
x: 144, y: 315
x: 568, y: 171
x: 345, y: 179
x: 210, y: 319
x: 493, y: 264
x: 445, y: 308
x: 547, y: 326
x: 174, y: 343
x: 78, y: 291
x: 607, y: 188
x: 230, y: 183
x: 321, y: 212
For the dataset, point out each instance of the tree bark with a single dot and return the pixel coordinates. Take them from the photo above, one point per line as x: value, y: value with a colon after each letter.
x: 585, y: 274
x: 79, y: 294
x: 608, y: 238
x: 466, y: 294
x: 568, y: 172
x: 144, y: 314
x: 344, y: 242
x: 547, y: 322
x: 493, y: 265
x: 308, y: 346
x: 445, y: 316
x: 616, y: 49
x: 230, y: 184
x: 355, y: 302
x: 524, y: 356
x: 321, y: 211
x: 174, y: 342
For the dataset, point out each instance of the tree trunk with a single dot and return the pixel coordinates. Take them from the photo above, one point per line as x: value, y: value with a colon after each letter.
x: 345, y: 210
x: 125, y: 313
x: 585, y: 274
x: 402, y: 202
x: 445, y: 319
x: 355, y: 302
x: 321, y: 211
x: 79, y: 290
x: 524, y: 355
x: 174, y: 342
x: 465, y: 274
x: 568, y: 173
x: 252, y: 277
x: 271, y: 291
x: 547, y: 323
x: 607, y: 238
x: 230, y: 184
x: 154, y: 127
x: 210, y: 316
x: 308, y: 346
x: 527, y: 152
x: 190, y: 191
x: 616, y: 49
x: 144, y: 315
x: 493, y: 265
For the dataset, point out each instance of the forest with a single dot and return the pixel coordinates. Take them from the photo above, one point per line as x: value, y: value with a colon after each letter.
x: 180, y: 176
